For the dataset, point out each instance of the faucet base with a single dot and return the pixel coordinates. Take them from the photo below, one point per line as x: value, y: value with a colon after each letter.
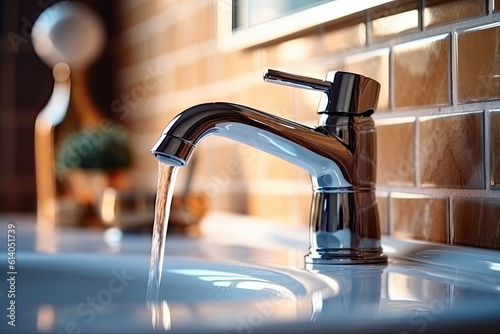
x: 346, y: 256
x: 344, y: 228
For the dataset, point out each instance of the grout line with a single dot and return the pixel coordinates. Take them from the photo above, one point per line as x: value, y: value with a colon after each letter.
x: 421, y: 6
x: 440, y: 192
x: 388, y: 223
x: 391, y: 82
x: 448, y: 221
x: 439, y: 110
x: 486, y: 140
x: 416, y: 155
x: 368, y: 25
x: 319, y: 34
x: 451, y: 229
x: 452, y: 69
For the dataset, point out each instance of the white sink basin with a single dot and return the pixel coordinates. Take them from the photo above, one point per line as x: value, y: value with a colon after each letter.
x: 424, y: 288
x: 106, y: 293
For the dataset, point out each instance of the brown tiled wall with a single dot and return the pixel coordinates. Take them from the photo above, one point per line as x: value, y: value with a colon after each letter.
x: 438, y: 118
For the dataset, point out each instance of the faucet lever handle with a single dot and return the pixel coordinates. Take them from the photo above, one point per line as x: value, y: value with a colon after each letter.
x: 294, y: 80
x: 344, y: 93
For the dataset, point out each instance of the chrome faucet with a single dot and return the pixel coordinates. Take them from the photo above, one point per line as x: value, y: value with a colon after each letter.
x: 339, y: 154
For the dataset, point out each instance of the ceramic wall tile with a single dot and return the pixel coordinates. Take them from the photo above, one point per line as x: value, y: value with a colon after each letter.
x: 344, y: 36
x: 478, y: 64
x: 476, y: 222
x: 395, y: 145
x: 421, y: 72
x: 394, y: 18
x: 450, y: 150
x: 419, y: 217
x: 439, y: 12
x: 292, y: 51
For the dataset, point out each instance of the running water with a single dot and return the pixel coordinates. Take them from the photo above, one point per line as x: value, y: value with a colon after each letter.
x: 165, y: 190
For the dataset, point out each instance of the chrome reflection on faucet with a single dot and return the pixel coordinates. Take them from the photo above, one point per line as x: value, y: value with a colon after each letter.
x: 339, y: 154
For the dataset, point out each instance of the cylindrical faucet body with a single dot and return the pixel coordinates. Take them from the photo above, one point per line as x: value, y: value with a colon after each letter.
x: 344, y: 223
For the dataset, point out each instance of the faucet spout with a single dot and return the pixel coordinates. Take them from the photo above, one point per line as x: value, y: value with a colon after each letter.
x: 339, y: 154
x: 322, y: 154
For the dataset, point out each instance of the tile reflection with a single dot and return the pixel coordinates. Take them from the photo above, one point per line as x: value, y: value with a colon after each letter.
x: 419, y: 217
x: 395, y: 145
x: 478, y: 64
x: 476, y: 222
x: 390, y: 25
x: 423, y: 292
x: 439, y: 12
x: 421, y: 72
x: 342, y: 37
x: 450, y: 148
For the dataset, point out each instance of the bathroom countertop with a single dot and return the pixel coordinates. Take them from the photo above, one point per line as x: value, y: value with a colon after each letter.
x: 246, y: 269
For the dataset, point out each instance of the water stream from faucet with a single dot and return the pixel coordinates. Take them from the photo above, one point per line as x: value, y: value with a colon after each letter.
x: 166, y: 182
